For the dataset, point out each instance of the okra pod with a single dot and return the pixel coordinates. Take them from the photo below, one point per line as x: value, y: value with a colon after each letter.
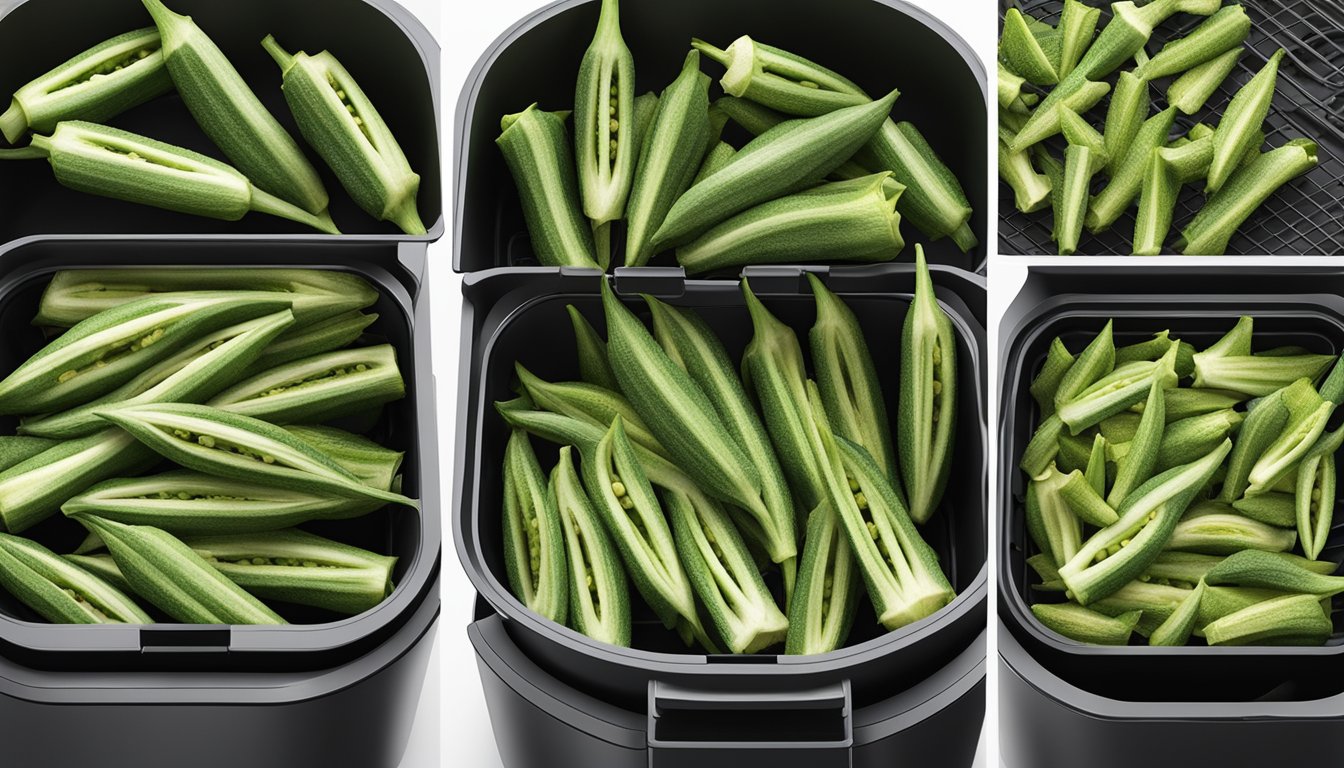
x: 1141, y: 461
x: 371, y: 463
x: 599, y: 598
x: 1176, y: 630
x: 1058, y: 361
x: 232, y: 115
x: 176, y: 580
x: 594, y: 367
x: 1226, y: 534
x: 536, y: 149
x: 826, y: 595
x: 96, y: 85
x: 319, y: 388
x: 1043, y: 446
x: 670, y: 160
x: 1031, y: 188
x: 1308, y: 415
x: 646, y: 106
x: 298, y: 343
x: 718, y: 156
x: 1191, y: 91
x: 16, y: 449
x: 1265, y: 570
x: 1078, y: 93
x: 107, y: 162
x: 534, y: 547
x: 1054, y: 527
x: 58, y: 590
x: 1186, y: 440
x: 1156, y: 602
x: 1083, y: 498
x: 33, y: 490
x: 781, y: 80
x: 104, y: 567
x: 1096, y: 361
x: 1127, y: 181
x: 1077, y: 28
x: 1223, y: 31
x: 588, y: 403
x: 338, y: 120
x: 1276, y: 509
x: 927, y: 413
x: 1314, y: 498
x: 1259, y: 375
x: 1022, y: 51
x: 1244, y: 116
x: 604, y: 144
x: 1087, y: 626
x: 1119, y: 390
x: 1247, y: 189
x: 1010, y: 86
x: 1294, y: 617
x: 1074, y: 196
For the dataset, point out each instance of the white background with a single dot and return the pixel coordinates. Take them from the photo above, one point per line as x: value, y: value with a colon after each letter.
x: 467, y: 30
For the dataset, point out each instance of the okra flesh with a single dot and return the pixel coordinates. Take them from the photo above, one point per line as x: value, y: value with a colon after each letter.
x: 599, y: 604
x: 535, y: 146
x: 605, y: 145
x: 1138, y: 465
x: 827, y: 592
x: 1192, y: 90
x: 34, y: 490
x: 1126, y: 183
x: 60, y: 591
x: 1223, y: 31
x: 1058, y: 531
x: 319, y: 388
x: 1297, y: 617
x: 1227, y: 534
x: 926, y: 420
x: 534, y: 548
x: 1244, y: 116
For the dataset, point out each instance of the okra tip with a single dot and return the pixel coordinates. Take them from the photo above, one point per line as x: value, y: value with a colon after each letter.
x: 710, y: 51
x: 282, y: 57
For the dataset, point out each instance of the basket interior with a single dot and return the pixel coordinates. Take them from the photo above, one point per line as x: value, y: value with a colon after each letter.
x: 1303, y: 217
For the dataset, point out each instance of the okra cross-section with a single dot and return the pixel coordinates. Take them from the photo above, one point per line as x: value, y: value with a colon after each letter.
x: 599, y: 602
x: 534, y: 549
x: 60, y: 591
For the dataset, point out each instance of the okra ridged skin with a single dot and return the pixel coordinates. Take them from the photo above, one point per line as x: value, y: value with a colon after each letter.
x: 319, y: 388
x: 1244, y: 116
x: 594, y: 368
x: 16, y: 449
x: 60, y: 591
x: 534, y: 547
x: 1223, y: 31
x: 599, y: 596
x: 605, y: 145
x: 1243, y: 194
x: 536, y: 148
x: 176, y: 580
x: 97, y: 85
x: 34, y: 490
x: 232, y: 115
x: 926, y: 419
x: 368, y: 461
x: 339, y: 121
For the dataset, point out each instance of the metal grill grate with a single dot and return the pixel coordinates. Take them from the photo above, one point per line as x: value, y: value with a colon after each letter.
x: 1306, y: 217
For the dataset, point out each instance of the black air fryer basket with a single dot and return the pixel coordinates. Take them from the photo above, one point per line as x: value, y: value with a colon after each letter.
x: 1303, y: 217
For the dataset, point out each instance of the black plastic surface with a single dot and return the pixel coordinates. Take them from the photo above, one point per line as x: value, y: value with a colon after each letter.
x: 409, y: 425
x: 394, y: 58
x: 880, y: 44
x: 512, y: 315
x: 1290, y: 306
x: 1302, y: 218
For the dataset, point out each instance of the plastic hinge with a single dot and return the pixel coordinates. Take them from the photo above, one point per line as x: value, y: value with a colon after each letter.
x: 771, y: 280
x: 736, y: 726
x: 186, y: 639
x: 667, y: 282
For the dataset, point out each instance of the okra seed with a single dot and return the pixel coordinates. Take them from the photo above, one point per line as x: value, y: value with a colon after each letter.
x: 853, y: 485
x: 872, y: 530
x: 627, y: 503
x: 1124, y: 543
x: 1316, y: 494
x: 1114, y: 549
x: 309, y: 564
x: 937, y: 387
x: 66, y: 377
x: 206, y: 440
x: 809, y: 84
x: 615, y: 126
x: 618, y: 488
x: 861, y: 500
x: 258, y: 561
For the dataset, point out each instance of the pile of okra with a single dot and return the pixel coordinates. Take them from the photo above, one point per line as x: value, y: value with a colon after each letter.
x: 828, y: 176
x: 1145, y: 158
x: 1180, y: 494
x: 65, y: 111
x: 690, y: 483
x: 190, y: 422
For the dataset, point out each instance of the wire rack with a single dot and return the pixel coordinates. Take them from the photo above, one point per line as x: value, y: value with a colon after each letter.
x: 1305, y: 217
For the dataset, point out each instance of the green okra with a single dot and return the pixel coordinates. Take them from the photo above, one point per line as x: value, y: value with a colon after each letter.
x: 16, y: 449
x: 1075, y: 452
x: 1151, y: 349
x: 739, y: 606
x: 604, y: 143
x: 1187, y: 439
x: 1265, y: 570
x: 1095, y: 471
x: 1055, y: 528
x: 776, y: 162
x: 1176, y: 630
x: 107, y: 162
x: 1095, y: 362
x: 1083, y: 498
x: 239, y: 447
x: 1192, y: 90
x: 1077, y: 27
x: 1223, y: 31
x: 1126, y: 182
x: 781, y: 80
x: 1058, y: 361
x: 33, y: 490
x: 1121, y: 552
x: 1046, y: 570
x: 167, y: 573
x: 773, y: 367
x: 1078, y: 132
x: 1226, y: 534
x: 1219, y: 602
x: 927, y: 413
x: 1294, y: 617
x: 1117, y: 391
x: 1191, y: 567
x: 1157, y: 205
x: 599, y: 597
x: 1314, y: 497
x: 718, y: 156
x: 300, y: 568
x: 678, y: 411
x: 1308, y: 415
x: 232, y: 115
x: 1077, y: 93
x: 853, y: 220
x: 588, y: 403
x: 1276, y: 509
x: 1122, y: 427
x: 1142, y: 460
x: 318, y: 388
x: 694, y: 347
x: 1083, y: 158
x: 1186, y: 402
x: 104, y: 567
x: 96, y: 85
x: 1022, y: 51
x: 826, y: 595
x: 621, y: 492
x: 646, y: 106
x: 339, y: 120
x: 534, y: 547
x: 1247, y: 189
x: 594, y: 367
x: 1259, y: 375
x: 1156, y: 602
x: 370, y: 462
x: 1086, y: 626
x: 1031, y: 188
x: 188, y: 503
x: 670, y: 159
x: 298, y: 343
x: 1043, y: 446
x: 58, y: 590
x: 194, y: 374
x: 1244, y: 116
x: 537, y: 150
x: 1010, y: 87
x: 314, y: 295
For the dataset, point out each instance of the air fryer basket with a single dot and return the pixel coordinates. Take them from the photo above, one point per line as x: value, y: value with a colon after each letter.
x: 1290, y: 306
x: 880, y: 44
x: 1304, y: 217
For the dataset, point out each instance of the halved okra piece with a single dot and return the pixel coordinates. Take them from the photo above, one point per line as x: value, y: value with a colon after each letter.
x: 1248, y: 188
x: 338, y: 120
x: 108, y: 162
x: 33, y: 490
x: 1031, y: 188
x: 239, y: 447
x: 1293, y: 619
x: 1084, y: 499
x: 1267, y: 570
x: 1058, y: 361
x: 1138, y: 465
x: 1243, y: 118
x: 60, y: 591
x: 232, y: 115
x: 1095, y: 361
x: 1117, y: 391
x: 1084, y: 157
x: 1127, y: 181
x: 599, y: 597
x: 594, y: 367
x: 319, y: 388
x: 194, y: 374
x: 1222, y: 533
x: 534, y: 547
x: 693, y: 346
x: 927, y: 416
x: 299, y: 342
x: 1051, y: 522
x: 1314, y: 499
x: 1259, y: 375
x: 1308, y: 414
x: 1223, y: 31
x: 853, y: 220
x: 1020, y: 49
x: 167, y: 573
x: 1191, y: 91
x: 1156, y: 602
x: 588, y: 403
x: 670, y: 159
x: 827, y: 593
x: 1178, y: 627
x: 1087, y: 626
x: 373, y: 464
x: 96, y: 85
x: 1186, y: 440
